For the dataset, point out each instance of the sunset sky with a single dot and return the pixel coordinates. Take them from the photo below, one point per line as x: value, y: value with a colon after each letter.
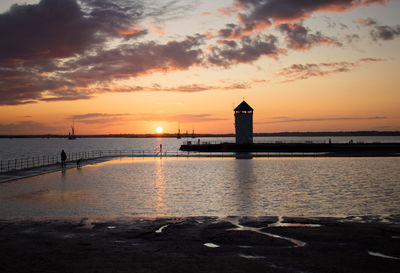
x: 130, y: 66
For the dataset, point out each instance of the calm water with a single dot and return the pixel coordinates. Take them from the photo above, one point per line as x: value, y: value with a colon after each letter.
x: 193, y: 187
x: 31, y: 147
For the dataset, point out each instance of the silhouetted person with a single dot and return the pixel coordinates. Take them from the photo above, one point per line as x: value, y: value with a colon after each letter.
x: 63, y: 158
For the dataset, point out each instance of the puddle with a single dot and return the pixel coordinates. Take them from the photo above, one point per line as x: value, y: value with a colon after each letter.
x: 377, y: 254
x: 280, y: 223
x: 251, y: 256
x: 86, y: 223
x: 211, y: 245
x: 161, y: 229
x: 235, y: 221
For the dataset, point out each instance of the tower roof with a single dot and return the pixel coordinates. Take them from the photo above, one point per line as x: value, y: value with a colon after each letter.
x: 243, y: 107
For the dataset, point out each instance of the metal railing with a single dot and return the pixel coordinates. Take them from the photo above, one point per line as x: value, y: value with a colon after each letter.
x: 11, y: 165
x: 51, y: 160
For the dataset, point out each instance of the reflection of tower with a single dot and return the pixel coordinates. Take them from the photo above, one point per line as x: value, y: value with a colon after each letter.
x: 244, y: 123
x: 246, y: 187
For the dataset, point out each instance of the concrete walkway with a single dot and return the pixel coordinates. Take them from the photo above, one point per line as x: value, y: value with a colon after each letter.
x: 19, y: 174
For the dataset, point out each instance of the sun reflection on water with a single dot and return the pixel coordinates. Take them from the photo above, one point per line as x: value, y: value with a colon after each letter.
x: 160, y: 205
x: 218, y: 187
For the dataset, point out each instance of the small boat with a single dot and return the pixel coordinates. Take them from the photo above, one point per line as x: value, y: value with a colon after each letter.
x: 71, y: 135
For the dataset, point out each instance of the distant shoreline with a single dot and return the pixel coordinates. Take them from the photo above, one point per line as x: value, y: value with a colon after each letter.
x: 167, y: 135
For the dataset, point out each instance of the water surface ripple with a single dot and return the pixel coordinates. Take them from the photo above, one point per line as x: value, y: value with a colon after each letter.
x: 220, y: 187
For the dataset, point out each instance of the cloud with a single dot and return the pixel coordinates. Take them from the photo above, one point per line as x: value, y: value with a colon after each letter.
x: 69, y: 95
x: 305, y: 71
x: 60, y: 29
x: 235, y: 31
x: 77, y: 78
x: 350, y: 38
x: 204, y: 87
x: 227, y: 11
x: 38, y: 38
x: 385, y: 32
x: 366, y: 21
x: 333, y: 24
x: 134, y: 60
x: 262, y: 13
x: 288, y: 120
x: 380, y: 32
x: 186, y: 118
x: 72, y: 50
x: 30, y: 35
x: 280, y: 117
x: 109, y: 118
x: 298, y: 37
x: 249, y: 49
x: 183, y: 118
x: 95, y: 115
x: 187, y: 88
x: 62, y: 50
x: 163, y: 10
x: 231, y: 31
x: 100, y: 118
x: 91, y: 74
x: 26, y: 127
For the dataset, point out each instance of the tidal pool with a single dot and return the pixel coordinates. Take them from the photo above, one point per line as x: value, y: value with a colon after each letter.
x: 212, y: 186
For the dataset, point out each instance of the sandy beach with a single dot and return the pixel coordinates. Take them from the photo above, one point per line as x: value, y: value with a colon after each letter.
x: 202, y: 244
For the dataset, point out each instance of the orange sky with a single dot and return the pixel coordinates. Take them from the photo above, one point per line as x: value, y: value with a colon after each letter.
x: 189, y: 65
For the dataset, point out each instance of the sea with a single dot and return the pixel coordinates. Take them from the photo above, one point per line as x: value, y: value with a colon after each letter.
x: 183, y: 187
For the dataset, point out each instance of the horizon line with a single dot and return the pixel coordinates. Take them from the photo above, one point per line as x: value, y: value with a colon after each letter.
x: 166, y: 135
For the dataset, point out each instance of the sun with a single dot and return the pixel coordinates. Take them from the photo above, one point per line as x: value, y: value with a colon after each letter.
x: 159, y: 130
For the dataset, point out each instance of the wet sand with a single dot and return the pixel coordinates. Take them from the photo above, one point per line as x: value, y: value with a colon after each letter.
x: 201, y: 244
